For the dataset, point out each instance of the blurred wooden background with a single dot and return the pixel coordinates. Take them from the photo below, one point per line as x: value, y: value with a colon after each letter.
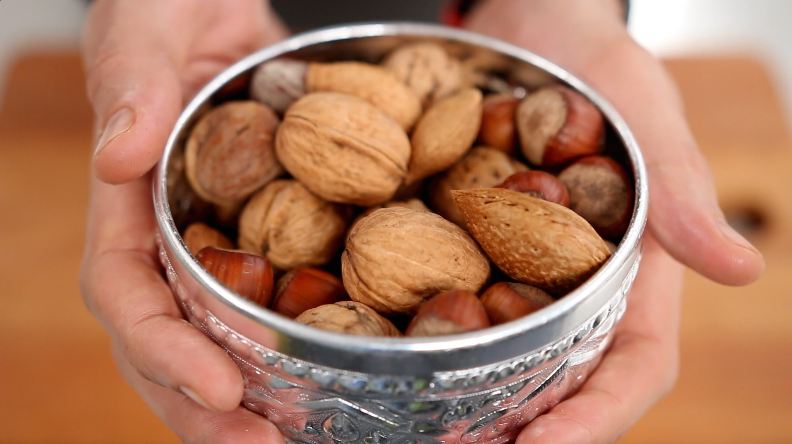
x: 58, y: 383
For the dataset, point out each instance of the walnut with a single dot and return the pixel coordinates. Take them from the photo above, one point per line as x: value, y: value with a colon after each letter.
x: 229, y: 153
x: 415, y: 204
x: 372, y: 83
x: 343, y: 148
x: 427, y: 69
x: 397, y: 257
x: 291, y: 226
x: 348, y: 317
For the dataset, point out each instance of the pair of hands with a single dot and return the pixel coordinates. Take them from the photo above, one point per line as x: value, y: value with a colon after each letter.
x: 146, y: 58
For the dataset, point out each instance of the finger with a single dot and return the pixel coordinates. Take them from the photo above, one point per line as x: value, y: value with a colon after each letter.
x: 133, y: 85
x: 123, y: 286
x: 640, y: 367
x: 592, y: 43
x: 144, y: 58
x: 192, y: 422
x: 683, y: 213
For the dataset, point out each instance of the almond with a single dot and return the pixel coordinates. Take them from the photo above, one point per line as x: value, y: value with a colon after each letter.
x: 444, y: 134
x: 482, y: 167
x: 533, y: 241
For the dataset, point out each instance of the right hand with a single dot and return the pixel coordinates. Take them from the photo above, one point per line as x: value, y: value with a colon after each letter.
x: 144, y: 59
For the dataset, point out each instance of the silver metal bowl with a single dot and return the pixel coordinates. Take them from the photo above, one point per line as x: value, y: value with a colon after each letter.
x: 325, y: 387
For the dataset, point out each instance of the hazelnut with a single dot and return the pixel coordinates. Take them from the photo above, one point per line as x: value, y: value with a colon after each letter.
x: 397, y: 257
x: 229, y: 153
x: 507, y: 301
x: 343, y: 148
x: 533, y: 241
x: 278, y: 83
x: 538, y: 184
x: 449, y: 313
x: 372, y: 83
x: 444, y: 134
x: 247, y: 274
x: 497, y: 122
x: 291, y: 226
x: 305, y: 288
x: 482, y: 167
x: 198, y: 236
x: 601, y: 192
x: 348, y: 317
x: 427, y: 69
x: 556, y: 125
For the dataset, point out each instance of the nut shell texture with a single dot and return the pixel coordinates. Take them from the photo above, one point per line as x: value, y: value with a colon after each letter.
x: 397, y: 257
x: 348, y: 317
x: 291, y: 226
x: 427, y: 69
x: 482, y: 167
x: 278, y: 83
x: 229, y: 153
x: 533, y: 241
x: 556, y: 125
x: 372, y: 83
x: 198, y: 236
x: 601, y: 192
x: 343, y: 148
x: 445, y: 133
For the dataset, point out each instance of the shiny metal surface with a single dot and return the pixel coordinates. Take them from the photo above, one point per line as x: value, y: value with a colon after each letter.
x: 320, y: 386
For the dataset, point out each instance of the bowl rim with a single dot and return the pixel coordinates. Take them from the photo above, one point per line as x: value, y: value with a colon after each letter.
x: 554, y: 313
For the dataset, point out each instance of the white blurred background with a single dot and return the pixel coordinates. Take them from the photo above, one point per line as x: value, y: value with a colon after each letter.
x: 666, y: 27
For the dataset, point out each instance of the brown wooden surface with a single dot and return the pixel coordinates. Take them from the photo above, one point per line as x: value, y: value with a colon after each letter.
x: 58, y: 383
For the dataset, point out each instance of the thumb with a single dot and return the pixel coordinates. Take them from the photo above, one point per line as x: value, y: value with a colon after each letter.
x: 136, y: 101
x: 684, y: 214
x: 134, y: 87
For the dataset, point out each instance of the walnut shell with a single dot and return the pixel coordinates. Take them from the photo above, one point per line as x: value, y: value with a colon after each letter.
x: 397, y: 257
x: 445, y: 133
x: 343, y: 148
x: 482, y: 167
x: 427, y: 69
x: 291, y: 226
x: 372, y: 83
x: 348, y: 317
x: 229, y: 153
x: 533, y: 241
x: 415, y: 204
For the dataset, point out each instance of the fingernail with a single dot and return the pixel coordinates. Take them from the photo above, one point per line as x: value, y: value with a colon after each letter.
x: 194, y: 396
x: 118, y: 124
x: 732, y: 234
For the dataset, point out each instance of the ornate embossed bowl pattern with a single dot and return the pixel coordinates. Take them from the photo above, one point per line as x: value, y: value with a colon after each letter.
x: 323, y: 387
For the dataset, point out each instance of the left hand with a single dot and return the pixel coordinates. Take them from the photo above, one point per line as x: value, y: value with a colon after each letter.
x: 589, y: 39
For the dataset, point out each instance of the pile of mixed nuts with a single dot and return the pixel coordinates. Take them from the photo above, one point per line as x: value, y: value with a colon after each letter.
x: 365, y: 196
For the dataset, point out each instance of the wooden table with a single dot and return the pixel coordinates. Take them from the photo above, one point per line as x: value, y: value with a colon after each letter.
x: 58, y: 383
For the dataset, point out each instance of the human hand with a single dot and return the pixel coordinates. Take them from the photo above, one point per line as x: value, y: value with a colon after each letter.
x: 144, y: 59
x: 589, y: 39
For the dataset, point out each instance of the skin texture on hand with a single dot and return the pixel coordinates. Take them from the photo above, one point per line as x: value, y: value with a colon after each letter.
x: 145, y: 58
x: 685, y: 226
